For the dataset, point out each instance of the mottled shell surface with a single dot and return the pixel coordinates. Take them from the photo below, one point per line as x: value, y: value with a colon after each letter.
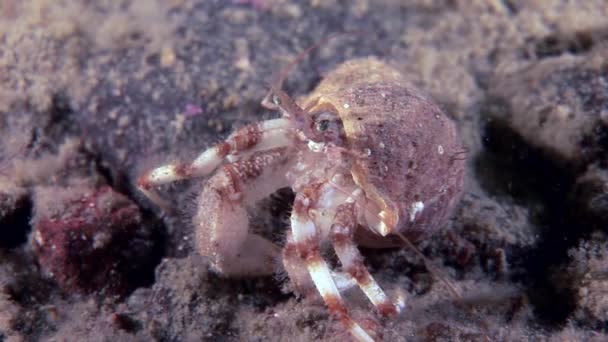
x: 411, y: 161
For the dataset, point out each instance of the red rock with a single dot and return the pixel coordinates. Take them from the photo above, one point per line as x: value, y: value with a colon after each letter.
x: 90, y: 239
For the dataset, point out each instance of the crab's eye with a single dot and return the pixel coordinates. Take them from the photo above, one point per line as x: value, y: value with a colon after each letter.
x: 322, y: 125
x: 328, y: 126
x: 325, y: 121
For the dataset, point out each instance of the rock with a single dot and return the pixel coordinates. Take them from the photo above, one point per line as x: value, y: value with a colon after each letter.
x: 558, y: 105
x: 589, y: 271
x: 90, y: 239
x: 167, y: 308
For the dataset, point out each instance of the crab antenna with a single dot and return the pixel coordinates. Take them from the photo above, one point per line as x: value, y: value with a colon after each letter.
x: 444, y: 279
x: 432, y: 268
x: 287, y: 70
x: 291, y: 110
x: 277, y: 99
x: 277, y: 83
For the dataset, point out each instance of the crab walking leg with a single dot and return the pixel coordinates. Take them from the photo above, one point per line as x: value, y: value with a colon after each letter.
x: 221, y: 222
x: 252, y: 138
x: 342, y: 237
x: 296, y: 269
x: 299, y: 276
x: 307, y: 240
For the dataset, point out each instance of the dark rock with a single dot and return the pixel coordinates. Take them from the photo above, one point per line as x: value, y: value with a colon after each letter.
x: 91, y: 239
x: 591, y: 196
x: 560, y: 106
x: 14, y: 214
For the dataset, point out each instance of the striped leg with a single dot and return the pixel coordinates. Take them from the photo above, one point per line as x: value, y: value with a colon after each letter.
x: 256, y: 137
x: 342, y: 237
x: 299, y: 276
x: 307, y: 240
x: 296, y: 269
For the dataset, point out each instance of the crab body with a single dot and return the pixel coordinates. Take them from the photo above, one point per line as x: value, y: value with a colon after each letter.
x: 368, y: 157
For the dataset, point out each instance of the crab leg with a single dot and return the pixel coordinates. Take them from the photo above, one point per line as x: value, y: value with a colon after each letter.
x: 222, y: 223
x: 299, y: 276
x: 252, y: 138
x: 307, y: 241
x: 342, y: 238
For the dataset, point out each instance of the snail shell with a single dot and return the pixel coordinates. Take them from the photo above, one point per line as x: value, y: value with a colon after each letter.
x: 407, y: 144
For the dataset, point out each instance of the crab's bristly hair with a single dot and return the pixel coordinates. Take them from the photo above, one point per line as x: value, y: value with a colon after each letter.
x: 262, y: 136
x: 149, y: 190
x: 342, y: 237
x: 306, y: 240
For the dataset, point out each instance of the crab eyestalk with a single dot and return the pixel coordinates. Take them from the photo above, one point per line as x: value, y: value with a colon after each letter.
x: 290, y: 109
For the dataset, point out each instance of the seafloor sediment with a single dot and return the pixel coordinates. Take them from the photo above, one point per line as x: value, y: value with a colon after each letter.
x: 94, y: 94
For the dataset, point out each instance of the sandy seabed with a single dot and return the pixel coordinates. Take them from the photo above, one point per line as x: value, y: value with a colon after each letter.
x: 92, y: 94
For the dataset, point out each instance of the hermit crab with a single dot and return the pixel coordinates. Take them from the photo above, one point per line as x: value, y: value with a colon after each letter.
x: 370, y: 159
